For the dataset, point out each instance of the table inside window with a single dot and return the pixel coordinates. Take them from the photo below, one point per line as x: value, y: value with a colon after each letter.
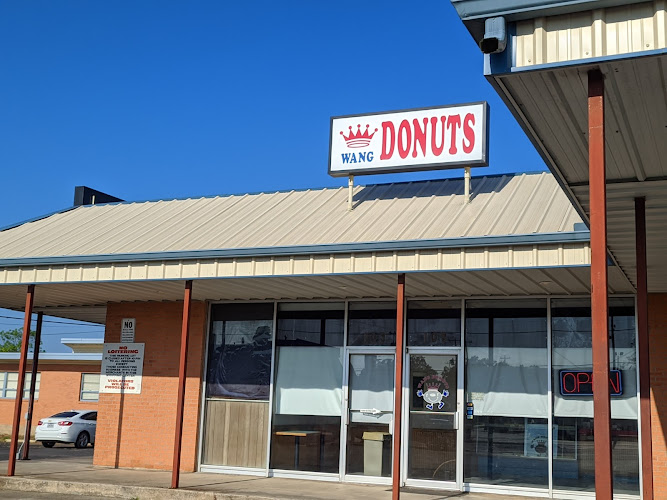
x: 297, y: 435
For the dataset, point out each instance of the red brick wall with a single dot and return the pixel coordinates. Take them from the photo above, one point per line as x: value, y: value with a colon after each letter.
x: 58, y: 391
x: 657, y: 324
x: 137, y: 430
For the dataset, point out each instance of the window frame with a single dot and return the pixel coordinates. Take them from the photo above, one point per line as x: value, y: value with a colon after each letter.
x: 82, y: 391
x: 4, y: 378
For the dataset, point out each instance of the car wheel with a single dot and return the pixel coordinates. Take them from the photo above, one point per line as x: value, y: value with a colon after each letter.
x: 82, y: 440
x: 48, y: 444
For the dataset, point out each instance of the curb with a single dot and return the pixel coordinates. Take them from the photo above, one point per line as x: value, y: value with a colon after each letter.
x: 116, y: 491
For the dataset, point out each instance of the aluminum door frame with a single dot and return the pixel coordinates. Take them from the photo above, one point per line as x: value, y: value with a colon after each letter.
x: 354, y: 478
x: 460, y: 408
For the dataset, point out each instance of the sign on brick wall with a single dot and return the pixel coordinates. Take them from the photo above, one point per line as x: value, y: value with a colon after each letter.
x: 127, y: 329
x: 122, y: 367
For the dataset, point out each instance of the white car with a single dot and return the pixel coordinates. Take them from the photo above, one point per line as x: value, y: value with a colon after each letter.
x: 74, y: 426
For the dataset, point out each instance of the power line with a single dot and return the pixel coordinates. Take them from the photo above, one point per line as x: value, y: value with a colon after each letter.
x: 82, y: 323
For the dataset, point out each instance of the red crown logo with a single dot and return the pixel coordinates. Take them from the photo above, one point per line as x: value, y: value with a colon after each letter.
x: 432, y: 387
x: 359, y: 139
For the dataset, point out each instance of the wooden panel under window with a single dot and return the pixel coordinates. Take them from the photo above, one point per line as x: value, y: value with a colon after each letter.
x: 235, y: 433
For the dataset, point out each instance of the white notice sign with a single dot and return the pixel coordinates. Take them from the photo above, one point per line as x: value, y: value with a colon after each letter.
x: 127, y: 330
x: 122, y: 367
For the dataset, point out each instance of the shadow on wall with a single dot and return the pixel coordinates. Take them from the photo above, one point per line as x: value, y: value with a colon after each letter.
x: 116, y: 461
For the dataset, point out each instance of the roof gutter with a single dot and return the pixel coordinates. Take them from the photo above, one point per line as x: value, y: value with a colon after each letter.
x: 381, y: 246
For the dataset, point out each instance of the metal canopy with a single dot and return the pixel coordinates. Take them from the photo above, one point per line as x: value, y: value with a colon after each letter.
x: 550, y: 103
x: 87, y: 301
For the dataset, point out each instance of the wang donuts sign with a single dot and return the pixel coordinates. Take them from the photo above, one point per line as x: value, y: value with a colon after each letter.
x: 403, y: 141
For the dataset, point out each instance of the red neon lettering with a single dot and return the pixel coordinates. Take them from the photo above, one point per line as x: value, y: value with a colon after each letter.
x: 615, y: 381
x: 388, y: 130
x: 420, y: 136
x: 574, y: 382
x: 583, y: 378
x: 469, y: 133
x: 453, y: 122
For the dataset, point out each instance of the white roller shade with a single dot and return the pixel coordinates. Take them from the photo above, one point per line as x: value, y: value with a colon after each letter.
x: 622, y: 407
x: 371, y: 387
x: 512, y: 384
x: 309, y: 381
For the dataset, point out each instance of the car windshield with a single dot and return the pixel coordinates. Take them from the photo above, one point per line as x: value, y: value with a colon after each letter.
x: 64, y: 414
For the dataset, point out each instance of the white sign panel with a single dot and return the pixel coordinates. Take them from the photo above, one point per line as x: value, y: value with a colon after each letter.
x: 122, y: 367
x: 403, y: 141
x: 127, y: 330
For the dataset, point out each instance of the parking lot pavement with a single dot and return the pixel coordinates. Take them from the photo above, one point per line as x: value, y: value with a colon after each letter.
x: 64, y: 452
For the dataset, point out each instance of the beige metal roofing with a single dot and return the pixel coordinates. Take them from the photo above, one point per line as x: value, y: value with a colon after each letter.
x: 515, y: 204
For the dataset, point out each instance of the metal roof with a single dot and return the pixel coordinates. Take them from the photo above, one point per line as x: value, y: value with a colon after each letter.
x: 545, y: 86
x: 513, y: 204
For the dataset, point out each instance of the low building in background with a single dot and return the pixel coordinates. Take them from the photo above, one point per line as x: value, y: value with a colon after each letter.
x: 65, y: 381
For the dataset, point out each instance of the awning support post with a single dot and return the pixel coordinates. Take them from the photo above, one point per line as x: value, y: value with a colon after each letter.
x: 643, y: 349
x: 33, y: 383
x: 29, y: 299
x: 180, y: 403
x: 599, y: 299
x: 398, y: 391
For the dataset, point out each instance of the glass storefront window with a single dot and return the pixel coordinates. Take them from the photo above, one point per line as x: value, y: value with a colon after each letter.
x: 572, y: 359
x: 239, y: 353
x: 372, y: 323
x: 308, y: 387
x: 434, y: 323
x: 237, y: 385
x: 506, y: 380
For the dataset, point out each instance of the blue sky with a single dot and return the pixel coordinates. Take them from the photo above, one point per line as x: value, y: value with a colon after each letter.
x: 161, y: 99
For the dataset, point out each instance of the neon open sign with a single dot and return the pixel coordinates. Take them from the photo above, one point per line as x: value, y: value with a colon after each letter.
x: 580, y: 383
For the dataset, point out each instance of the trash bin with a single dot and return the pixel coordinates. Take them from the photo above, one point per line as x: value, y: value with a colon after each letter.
x: 377, y: 453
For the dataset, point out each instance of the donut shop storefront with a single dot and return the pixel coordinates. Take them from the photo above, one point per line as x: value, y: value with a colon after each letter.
x: 305, y: 310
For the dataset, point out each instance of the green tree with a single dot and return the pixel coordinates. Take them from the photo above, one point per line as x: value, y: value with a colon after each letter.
x: 10, y: 340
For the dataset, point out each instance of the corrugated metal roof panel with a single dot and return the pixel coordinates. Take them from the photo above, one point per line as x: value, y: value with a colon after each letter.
x: 500, y: 205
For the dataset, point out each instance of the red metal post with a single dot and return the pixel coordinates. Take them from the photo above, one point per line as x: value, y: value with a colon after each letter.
x: 33, y: 383
x: 21, y: 380
x: 181, y: 384
x: 398, y: 392
x: 599, y: 301
x: 643, y: 349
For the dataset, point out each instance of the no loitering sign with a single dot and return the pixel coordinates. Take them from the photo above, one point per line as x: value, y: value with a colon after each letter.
x: 416, y: 139
x: 122, y: 368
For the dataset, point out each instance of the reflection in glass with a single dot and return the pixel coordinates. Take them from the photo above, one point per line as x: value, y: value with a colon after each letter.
x: 507, y: 450
x: 372, y: 323
x: 239, y: 354
x: 574, y: 460
x: 434, y: 323
x: 371, y: 400
x: 506, y: 380
x: 308, y: 387
x: 432, y: 443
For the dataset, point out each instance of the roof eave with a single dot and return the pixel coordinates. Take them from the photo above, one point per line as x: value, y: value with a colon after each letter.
x: 466, y: 242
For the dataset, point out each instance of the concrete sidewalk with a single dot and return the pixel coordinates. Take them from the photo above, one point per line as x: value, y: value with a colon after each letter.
x: 58, y: 477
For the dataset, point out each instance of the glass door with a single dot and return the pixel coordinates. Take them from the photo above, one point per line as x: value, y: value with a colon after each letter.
x: 433, y: 412
x: 370, y: 414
